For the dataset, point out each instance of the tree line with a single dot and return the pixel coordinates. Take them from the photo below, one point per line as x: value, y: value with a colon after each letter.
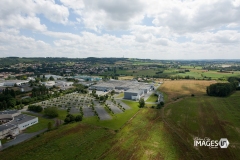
x: 223, y: 89
x: 7, y: 99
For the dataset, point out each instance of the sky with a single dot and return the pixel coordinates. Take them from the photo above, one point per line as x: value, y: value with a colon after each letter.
x: 147, y: 29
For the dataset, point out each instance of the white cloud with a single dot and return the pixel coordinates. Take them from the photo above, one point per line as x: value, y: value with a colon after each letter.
x: 110, y: 15
x: 146, y: 29
x: 55, y: 13
x: 16, y: 45
x: 23, y: 14
x: 194, y: 16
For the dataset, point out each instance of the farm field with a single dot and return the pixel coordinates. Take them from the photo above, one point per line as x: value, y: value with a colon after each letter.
x: 126, y: 78
x: 200, y: 74
x: 203, y: 116
x: 183, y: 88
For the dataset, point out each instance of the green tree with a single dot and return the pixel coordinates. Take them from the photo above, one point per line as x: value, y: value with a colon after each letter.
x: 78, y: 118
x: 161, y: 103
x: 51, y: 78
x: 141, y: 103
x: 159, y: 106
x: 67, y: 120
x: 51, y: 112
x: 112, y: 92
x: 11, y: 102
x: 94, y: 91
x: 12, y: 93
x: 72, y: 118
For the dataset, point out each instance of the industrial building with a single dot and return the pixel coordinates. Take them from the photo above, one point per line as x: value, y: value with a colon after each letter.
x: 13, y: 122
x: 133, y: 90
x: 11, y: 83
x: 133, y: 94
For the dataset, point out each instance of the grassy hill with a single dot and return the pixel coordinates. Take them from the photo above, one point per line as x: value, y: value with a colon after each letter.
x: 151, y: 134
x: 144, y: 137
x: 203, y: 116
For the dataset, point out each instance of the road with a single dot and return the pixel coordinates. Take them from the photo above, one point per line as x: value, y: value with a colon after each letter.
x: 20, y: 138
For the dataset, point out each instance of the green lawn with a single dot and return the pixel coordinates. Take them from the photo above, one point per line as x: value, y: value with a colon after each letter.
x: 152, y: 98
x: 120, y: 95
x: 117, y: 120
x: 62, y: 114
x: 42, y: 124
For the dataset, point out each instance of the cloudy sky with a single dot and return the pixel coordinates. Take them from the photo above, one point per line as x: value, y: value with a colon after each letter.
x: 155, y: 29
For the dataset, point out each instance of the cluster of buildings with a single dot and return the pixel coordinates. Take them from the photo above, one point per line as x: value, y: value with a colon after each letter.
x: 11, y: 83
x: 13, y: 123
x: 133, y: 90
x: 60, y: 84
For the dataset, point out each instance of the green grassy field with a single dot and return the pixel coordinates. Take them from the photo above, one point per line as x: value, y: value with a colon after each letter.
x: 72, y: 141
x: 191, y: 67
x: 144, y: 137
x: 211, y: 117
x: 120, y: 95
x: 42, y: 124
x: 62, y: 114
x: 118, y: 120
x: 152, y: 98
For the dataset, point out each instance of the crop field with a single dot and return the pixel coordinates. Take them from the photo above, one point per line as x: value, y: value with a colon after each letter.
x: 203, y: 116
x: 201, y: 74
x: 183, y: 88
x: 191, y: 67
x: 126, y: 78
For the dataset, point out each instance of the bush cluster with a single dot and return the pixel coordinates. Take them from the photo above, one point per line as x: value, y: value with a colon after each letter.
x: 71, y: 118
x: 35, y: 108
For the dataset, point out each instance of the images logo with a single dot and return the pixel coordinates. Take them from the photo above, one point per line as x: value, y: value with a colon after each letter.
x: 222, y: 143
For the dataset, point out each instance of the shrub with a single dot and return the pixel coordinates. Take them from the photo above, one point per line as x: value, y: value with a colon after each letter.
x: 161, y: 103
x: 78, y: 118
x: 72, y: 118
x: 67, y: 120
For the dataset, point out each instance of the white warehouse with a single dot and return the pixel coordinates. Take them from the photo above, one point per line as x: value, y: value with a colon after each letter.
x: 13, y: 122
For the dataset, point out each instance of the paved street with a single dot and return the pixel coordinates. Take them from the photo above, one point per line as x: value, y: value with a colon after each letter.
x: 20, y: 138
